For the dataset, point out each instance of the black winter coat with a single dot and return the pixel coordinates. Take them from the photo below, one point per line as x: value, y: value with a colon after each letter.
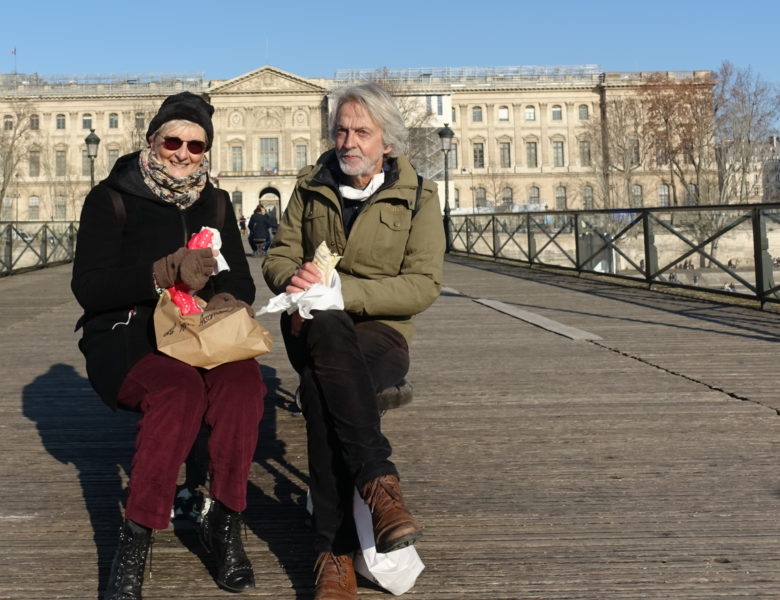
x: 112, y: 269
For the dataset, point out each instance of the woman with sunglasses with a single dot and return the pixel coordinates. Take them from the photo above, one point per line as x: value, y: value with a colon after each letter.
x: 132, y: 245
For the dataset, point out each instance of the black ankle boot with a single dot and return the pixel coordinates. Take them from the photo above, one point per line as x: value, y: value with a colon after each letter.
x: 127, y: 570
x: 220, y: 533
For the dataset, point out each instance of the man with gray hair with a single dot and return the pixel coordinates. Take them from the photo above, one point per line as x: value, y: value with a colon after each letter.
x: 364, y: 199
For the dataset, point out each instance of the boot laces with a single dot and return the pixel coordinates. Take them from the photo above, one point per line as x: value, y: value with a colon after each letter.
x: 338, y: 561
x: 381, y: 493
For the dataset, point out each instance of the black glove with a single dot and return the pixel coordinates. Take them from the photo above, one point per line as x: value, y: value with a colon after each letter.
x: 225, y: 300
x: 191, y: 267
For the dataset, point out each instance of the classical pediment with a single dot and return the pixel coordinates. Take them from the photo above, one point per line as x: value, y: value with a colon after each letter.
x: 266, y: 80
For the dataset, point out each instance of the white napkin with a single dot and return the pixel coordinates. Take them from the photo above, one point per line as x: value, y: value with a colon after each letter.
x: 317, y: 297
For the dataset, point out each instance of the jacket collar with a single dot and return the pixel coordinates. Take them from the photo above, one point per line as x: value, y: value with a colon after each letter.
x: 400, y: 178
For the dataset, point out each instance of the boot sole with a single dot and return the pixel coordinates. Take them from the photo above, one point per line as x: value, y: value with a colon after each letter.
x: 235, y: 590
x: 401, y: 542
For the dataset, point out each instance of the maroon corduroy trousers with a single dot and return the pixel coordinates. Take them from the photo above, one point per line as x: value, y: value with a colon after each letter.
x: 175, y: 399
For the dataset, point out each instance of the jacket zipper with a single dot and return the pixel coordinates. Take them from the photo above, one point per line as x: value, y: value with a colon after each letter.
x: 183, y: 226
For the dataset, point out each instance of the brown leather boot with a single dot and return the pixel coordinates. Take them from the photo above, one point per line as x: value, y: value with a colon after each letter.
x: 394, y: 526
x: 335, y: 577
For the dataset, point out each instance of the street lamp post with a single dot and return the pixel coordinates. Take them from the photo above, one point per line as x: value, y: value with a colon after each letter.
x: 445, y: 136
x: 92, y: 142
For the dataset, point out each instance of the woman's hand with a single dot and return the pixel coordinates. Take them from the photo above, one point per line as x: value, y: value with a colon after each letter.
x: 191, y: 267
x: 226, y: 300
x: 304, y: 277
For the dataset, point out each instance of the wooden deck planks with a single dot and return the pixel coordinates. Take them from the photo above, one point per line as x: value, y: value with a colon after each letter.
x: 641, y: 465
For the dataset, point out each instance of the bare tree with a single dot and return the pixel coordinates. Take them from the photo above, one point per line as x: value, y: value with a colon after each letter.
x: 680, y: 120
x: 424, y: 148
x: 618, y: 148
x: 14, y: 139
x: 746, y: 109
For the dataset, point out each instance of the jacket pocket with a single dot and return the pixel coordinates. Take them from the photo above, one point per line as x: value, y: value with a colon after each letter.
x: 390, y: 237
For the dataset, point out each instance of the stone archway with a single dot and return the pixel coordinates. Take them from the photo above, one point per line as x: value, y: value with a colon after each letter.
x: 272, y: 200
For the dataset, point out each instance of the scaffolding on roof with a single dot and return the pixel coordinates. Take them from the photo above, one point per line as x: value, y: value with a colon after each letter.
x: 473, y: 76
x: 85, y: 85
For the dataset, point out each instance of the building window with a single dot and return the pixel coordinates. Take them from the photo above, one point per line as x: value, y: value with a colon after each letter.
x: 33, y: 208
x: 585, y: 159
x: 557, y: 113
x: 269, y: 155
x: 560, y: 198
x: 60, y: 163
x: 531, y: 158
x: 636, y: 196
x: 34, y: 163
x: 434, y: 104
x: 7, y: 213
x: 85, y: 163
x: 476, y: 114
x: 236, y: 159
x: 633, y: 149
x: 661, y: 157
x: 583, y: 112
x: 60, y: 122
x: 533, y: 195
x: 140, y: 121
x: 663, y: 195
x: 113, y: 156
x: 60, y: 208
x: 301, y: 156
x: 479, y: 155
x: 35, y: 122
x: 587, y: 197
x: 558, y: 157
x: 238, y: 202
x: 113, y: 121
x: 503, y: 113
x: 452, y: 157
x: 86, y: 121
x: 8, y: 123
x: 456, y: 197
x: 692, y: 194
x: 530, y: 113
x: 505, y: 154
x: 687, y: 148
x: 480, y: 197
x: 506, y: 196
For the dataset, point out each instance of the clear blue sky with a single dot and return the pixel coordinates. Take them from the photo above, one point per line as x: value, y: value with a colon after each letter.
x: 224, y: 39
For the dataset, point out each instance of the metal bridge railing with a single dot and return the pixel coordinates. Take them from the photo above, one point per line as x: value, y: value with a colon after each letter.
x: 34, y: 245
x: 731, y: 249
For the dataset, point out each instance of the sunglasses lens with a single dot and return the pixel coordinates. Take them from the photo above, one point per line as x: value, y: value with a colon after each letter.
x: 172, y: 143
x: 196, y: 147
x: 193, y: 146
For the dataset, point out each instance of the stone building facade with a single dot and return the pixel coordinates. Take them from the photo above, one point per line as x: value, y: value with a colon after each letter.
x: 521, y: 134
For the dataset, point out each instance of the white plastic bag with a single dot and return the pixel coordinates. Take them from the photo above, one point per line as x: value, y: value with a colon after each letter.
x: 396, y: 571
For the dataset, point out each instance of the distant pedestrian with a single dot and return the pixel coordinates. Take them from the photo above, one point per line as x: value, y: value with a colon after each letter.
x: 242, y: 224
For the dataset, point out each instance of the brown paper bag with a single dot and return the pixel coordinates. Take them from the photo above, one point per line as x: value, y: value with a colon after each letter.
x: 210, y: 338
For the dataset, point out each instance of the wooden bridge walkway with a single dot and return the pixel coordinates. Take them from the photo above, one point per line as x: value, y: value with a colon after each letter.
x: 569, y: 439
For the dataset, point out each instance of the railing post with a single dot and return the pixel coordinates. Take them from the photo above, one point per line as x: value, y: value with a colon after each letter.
x: 44, y: 245
x: 651, y: 252
x: 531, y: 239
x: 495, y: 236
x: 577, y: 249
x: 761, y: 258
x: 8, y: 251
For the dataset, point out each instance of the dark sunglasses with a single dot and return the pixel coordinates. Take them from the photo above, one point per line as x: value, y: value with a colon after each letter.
x: 193, y: 146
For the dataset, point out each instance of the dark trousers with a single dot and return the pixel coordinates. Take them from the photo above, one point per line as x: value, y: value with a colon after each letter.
x: 175, y: 400
x: 342, y: 365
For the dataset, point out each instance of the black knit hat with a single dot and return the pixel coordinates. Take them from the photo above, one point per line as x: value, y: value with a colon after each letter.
x: 187, y: 106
